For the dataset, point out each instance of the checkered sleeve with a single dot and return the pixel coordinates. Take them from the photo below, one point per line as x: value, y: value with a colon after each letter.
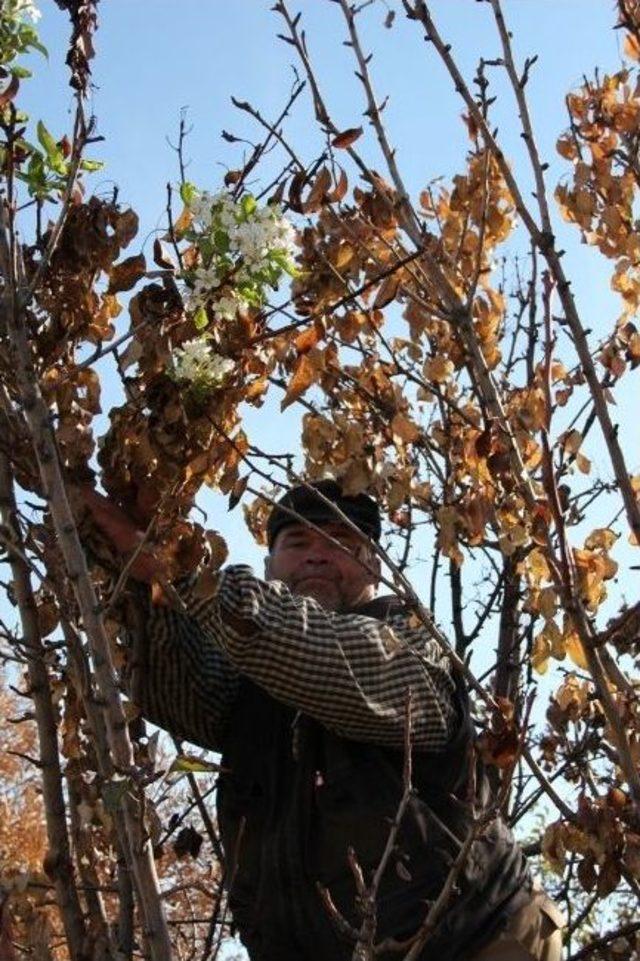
x: 178, y: 679
x: 351, y: 672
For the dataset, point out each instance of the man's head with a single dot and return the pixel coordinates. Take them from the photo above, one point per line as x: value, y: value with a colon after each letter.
x: 341, y: 575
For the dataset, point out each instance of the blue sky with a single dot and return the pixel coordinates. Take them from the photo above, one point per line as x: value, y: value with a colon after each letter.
x: 156, y: 57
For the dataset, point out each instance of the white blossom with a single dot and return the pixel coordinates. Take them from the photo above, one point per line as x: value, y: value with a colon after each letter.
x: 251, y: 236
x: 251, y: 242
x: 200, y: 207
x: 207, y: 207
x: 198, y: 364
x: 285, y: 236
x: 227, y: 218
x: 205, y: 280
x: 267, y: 232
x: 223, y: 199
x: 226, y: 212
x: 226, y: 308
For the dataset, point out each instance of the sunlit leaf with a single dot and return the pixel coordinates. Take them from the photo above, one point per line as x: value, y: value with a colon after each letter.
x: 187, y: 764
x: 576, y: 652
x: 305, y: 373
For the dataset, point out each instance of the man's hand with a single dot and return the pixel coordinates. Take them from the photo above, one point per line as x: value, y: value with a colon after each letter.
x: 121, y: 532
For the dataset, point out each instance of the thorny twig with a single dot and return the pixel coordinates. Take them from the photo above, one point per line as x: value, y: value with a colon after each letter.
x: 365, y: 947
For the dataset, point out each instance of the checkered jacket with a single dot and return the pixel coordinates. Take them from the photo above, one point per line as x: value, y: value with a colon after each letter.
x: 349, y: 671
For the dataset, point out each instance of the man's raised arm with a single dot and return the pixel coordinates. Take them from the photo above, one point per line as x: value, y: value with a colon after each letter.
x: 177, y: 678
x: 351, y: 672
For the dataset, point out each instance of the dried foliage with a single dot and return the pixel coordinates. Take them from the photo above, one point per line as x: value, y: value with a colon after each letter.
x: 420, y: 374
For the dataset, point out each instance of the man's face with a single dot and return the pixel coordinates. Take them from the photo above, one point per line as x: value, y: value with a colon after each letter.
x: 311, y: 565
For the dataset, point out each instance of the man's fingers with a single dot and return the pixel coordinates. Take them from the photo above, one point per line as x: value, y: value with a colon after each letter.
x: 120, y: 531
x: 112, y: 520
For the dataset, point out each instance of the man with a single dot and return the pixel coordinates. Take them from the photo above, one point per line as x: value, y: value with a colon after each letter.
x: 301, y: 681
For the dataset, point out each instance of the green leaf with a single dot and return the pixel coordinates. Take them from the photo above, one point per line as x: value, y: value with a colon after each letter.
x: 221, y: 240
x: 282, y: 259
x: 248, y: 204
x: 271, y: 275
x: 91, y: 165
x: 185, y: 764
x: 26, y: 147
x: 254, y: 297
x: 59, y: 165
x: 29, y: 38
x: 46, y: 141
x: 35, y: 172
x: 39, y: 47
x: 200, y: 319
x: 21, y: 72
x: 278, y: 256
x: 207, y: 250
x: 187, y: 193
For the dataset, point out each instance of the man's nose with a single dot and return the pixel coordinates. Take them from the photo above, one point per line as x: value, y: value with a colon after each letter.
x: 315, y: 557
x: 317, y: 552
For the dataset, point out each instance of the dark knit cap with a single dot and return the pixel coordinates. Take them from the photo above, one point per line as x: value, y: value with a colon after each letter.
x: 361, y: 509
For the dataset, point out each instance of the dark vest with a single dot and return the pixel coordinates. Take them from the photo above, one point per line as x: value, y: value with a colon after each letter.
x: 295, y: 797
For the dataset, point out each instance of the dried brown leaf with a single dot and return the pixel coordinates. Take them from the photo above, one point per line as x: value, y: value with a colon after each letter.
x: 126, y: 227
x: 306, y: 372
x: 343, y: 140
x: 339, y: 191
x: 127, y: 273
x: 162, y: 256
x: 386, y: 291
x: 9, y: 91
x: 317, y: 194
x: 309, y: 338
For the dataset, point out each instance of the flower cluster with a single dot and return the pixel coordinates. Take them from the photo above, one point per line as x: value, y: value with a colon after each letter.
x: 18, y: 36
x: 20, y: 10
x: 196, y: 363
x: 243, y: 250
